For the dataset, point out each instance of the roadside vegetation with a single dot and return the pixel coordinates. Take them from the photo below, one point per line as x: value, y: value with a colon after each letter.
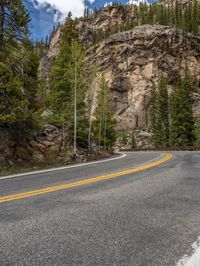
x: 23, y: 99
x: 71, y: 97
x: 83, y: 110
x: 172, y: 123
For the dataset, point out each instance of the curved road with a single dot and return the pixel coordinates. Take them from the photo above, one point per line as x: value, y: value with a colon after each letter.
x: 146, y: 213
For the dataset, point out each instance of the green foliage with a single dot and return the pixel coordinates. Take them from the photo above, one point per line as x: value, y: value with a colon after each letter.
x: 182, y: 124
x: 104, y: 124
x: 124, y: 138
x: 15, y: 115
x: 133, y: 141
x: 197, y: 133
x: 160, y: 115
x: 163, y: 110
x: 18, y: 72
x: 172, y: 125
x: 13, y: 25
x: 29, y: 69
x: 12, y: 105
x: 186, y: 17
x: 62, y: 82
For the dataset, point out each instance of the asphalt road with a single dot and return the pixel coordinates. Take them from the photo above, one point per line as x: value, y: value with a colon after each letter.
x: 146, y: 218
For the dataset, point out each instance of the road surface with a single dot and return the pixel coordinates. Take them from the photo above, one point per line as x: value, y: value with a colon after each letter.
x: 142, y: 209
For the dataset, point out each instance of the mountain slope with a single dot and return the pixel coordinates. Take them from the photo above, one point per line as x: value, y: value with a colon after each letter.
x: 133, y: 61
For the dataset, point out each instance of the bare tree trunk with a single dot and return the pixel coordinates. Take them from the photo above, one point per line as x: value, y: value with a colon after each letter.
x: 105, y: 118
x: 100, y: 132
x: 90, y: 131
x: 90, y: 104
x: 89, y: 134
x: 75, y: 110
x: 105, y: 130
x: 63, y: 135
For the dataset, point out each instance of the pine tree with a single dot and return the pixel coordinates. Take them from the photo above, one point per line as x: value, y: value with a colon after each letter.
x: 59, y: 84
x: 68, y: 87
x: 159, y: 113
x: 182, y: 125
x: 163, y: 105
x: 104, y: 123
x: 18, y: 71
x: 78, y: 76
x: 195, y: 18
x: 29, y: 72
x: 133, y: 141
x: 15, y: 112
x: 186, y: 17
x: 177, y: 14
x: 14, y: 20
x: 197, y: 133
x: 154, y: 123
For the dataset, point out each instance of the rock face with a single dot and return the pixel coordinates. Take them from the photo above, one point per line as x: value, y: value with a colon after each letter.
x: 133, y: 62
x: 110, y: 17
x: 51, y: 54
x: 46, y: 145
x: 107, y: 19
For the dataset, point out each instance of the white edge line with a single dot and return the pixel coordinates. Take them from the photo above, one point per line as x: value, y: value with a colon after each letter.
x: 63, y: 167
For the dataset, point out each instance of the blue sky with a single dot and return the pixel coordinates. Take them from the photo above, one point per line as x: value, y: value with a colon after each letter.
x: 47, y: 13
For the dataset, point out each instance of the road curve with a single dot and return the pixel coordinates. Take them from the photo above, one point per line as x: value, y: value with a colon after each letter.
x: 146, y: 217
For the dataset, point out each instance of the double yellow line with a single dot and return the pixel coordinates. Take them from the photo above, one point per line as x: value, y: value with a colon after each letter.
x: 33, y: 193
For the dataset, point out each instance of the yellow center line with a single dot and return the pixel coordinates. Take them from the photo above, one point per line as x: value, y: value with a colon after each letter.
x: 24, y: 195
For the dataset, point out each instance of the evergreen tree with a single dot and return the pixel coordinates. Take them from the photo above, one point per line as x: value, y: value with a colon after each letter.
x: 29, y: 72
x: 197, y: 133
x: 68, y: 86
x: 18, y: 71
x: 195, y: 18
x: 14, y: 20
x: 15, y: 113
x: 154, y: 123
x: 59, y: 83
x: 182, y: 125
x: 104, y: 123
x: 163, y: 105
x: 133, y: 141
x: 159, y: 112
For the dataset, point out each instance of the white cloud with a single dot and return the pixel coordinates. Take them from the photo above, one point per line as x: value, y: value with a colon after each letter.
x: 64, y: 6
x: 108, y: 4
x: 136, y: 2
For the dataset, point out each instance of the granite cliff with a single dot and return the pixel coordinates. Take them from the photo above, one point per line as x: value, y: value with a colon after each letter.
x: 133, y: 61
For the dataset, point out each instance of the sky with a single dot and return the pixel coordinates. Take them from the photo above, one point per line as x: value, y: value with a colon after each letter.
x: 47, y: 13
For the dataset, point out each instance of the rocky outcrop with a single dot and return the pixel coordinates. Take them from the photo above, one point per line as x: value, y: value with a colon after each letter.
x: 133, y: 62
x: 46, y: 144
x: 107, y: 19
x: 43, y: 147
x: 51, y: 54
